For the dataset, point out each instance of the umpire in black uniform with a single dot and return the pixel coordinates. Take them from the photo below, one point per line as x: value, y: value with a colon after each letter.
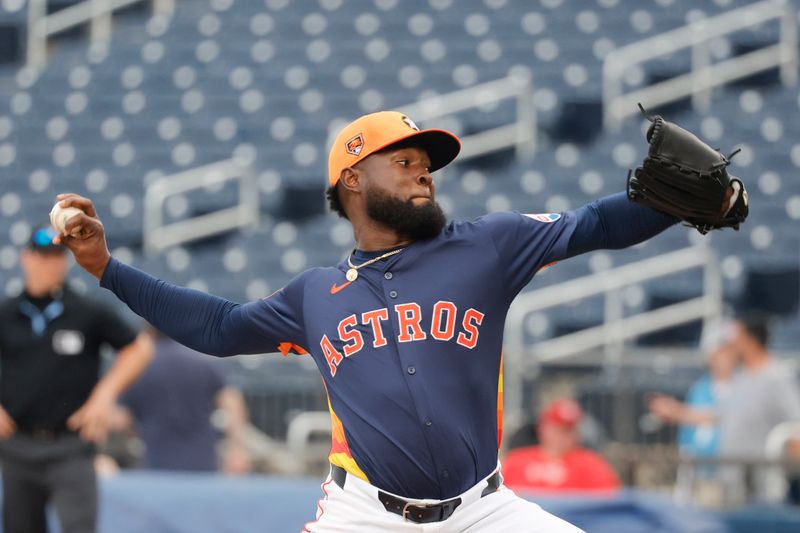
x: 53, y: 404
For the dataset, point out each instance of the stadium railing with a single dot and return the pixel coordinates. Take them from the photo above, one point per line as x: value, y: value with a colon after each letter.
x: 775, y: 450
x: 96, y: 13
x: 522, y: 359
x: 703, y: 75
x: 520, y: 135
x: 730, y: 482
x: 308, y: 436
x: 159, y: 235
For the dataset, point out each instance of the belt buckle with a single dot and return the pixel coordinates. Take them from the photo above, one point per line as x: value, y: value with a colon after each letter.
x: 43, y: 434
x: 409, y: 504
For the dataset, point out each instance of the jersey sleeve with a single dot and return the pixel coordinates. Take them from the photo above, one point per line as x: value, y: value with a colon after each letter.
x: 207, y: 323
x: 526, y: 243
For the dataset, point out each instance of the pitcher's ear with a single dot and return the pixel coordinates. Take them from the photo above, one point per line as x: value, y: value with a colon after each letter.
x: 350, y: 179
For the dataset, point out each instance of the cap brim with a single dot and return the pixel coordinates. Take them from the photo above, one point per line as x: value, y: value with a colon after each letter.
x: 54, y: 249
x: 441, y: 145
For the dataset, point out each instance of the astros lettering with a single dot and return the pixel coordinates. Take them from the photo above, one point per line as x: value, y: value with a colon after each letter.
x: 442, y: 327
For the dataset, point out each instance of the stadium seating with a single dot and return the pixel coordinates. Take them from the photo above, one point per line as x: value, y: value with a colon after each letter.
x: 268, y: 80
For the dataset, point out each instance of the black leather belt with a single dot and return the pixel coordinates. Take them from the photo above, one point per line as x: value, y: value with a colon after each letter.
x: 43, y: 433
x: 419, y: 513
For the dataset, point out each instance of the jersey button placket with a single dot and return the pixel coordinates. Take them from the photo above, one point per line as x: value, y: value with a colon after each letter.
x: 388, y: 275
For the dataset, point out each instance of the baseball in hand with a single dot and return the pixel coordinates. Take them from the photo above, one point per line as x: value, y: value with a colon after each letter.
x: 59, y: 216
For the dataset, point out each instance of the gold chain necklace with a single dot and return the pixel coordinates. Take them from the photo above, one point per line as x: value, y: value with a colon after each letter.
x: 352, y: 272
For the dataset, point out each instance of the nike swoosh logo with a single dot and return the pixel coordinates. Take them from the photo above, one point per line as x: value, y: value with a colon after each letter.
x: 336, y: 288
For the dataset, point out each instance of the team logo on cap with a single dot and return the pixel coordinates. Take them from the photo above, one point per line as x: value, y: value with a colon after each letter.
x: 410, y: 123
x: 354, y: 145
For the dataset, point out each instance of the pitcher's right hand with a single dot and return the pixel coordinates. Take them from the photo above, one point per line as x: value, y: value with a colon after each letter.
x: 84, y: 235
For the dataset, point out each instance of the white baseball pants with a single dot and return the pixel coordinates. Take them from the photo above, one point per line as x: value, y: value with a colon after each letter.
x: 356, y: 509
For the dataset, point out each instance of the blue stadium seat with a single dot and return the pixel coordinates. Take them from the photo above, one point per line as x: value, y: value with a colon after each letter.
x: 269, y: 78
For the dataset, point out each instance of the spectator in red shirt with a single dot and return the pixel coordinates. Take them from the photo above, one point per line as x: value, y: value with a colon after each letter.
x: 558, y: 463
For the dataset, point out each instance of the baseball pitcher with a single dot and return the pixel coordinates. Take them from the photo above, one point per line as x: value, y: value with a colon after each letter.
x: 407, y: 330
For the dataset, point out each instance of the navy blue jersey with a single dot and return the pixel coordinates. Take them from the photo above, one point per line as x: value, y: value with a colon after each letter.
x: 411, y: 351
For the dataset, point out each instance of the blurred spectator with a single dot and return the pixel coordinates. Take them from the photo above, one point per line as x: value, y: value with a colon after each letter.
x: 591, y: 434
x: 703, y: 440
x: 763, y: 394
x: 558, y: 463
x: 54, y: 403
x: 172, y: 407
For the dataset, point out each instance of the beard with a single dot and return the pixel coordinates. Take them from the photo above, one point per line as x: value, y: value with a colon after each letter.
x: 416, y: 222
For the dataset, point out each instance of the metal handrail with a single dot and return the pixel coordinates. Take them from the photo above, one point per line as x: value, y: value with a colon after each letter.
x: 704, y: 75
x: 158, y: 235
x: 95, y: 12
x: 520, y: 134
x: 774, y: 450
x: 616, y: 328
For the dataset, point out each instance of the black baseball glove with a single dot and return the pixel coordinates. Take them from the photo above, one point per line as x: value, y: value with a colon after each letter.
x: 684, y: 177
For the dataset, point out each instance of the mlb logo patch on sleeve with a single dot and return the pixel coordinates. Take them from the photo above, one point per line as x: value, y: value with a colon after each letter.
x: 545, y: 217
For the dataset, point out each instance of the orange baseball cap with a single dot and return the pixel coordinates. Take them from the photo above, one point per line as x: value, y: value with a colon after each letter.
x: 371, y: 133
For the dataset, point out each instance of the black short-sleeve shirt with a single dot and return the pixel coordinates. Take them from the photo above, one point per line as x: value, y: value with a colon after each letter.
x: 50, y: 354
